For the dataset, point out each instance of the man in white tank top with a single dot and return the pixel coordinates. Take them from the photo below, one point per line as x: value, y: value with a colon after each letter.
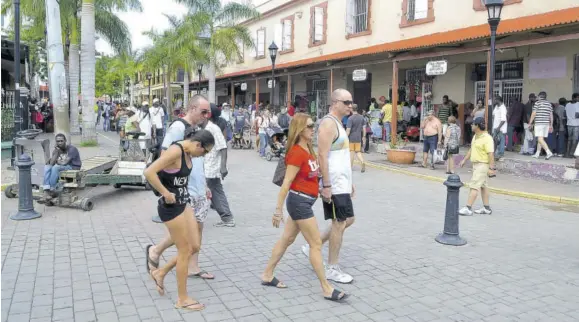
x: 336, y: 183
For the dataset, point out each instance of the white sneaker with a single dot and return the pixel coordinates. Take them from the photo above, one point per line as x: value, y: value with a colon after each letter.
x: 334, y: 273
x: 548, y: 156
x: 464, y: 211
x: 483, y: 211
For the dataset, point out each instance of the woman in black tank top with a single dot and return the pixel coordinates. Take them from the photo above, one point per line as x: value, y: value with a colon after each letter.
x: 169, y: 175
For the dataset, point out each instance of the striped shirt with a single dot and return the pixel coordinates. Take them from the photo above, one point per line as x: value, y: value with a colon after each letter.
x: 444, y: 113
x: 543, y: 112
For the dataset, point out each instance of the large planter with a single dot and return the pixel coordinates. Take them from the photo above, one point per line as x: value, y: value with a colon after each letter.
x: 401, y: 156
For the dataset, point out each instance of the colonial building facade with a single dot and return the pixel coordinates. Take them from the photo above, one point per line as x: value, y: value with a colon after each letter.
x: 321, y: 44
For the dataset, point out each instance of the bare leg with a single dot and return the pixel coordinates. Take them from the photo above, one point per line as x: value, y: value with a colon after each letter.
x: 361, y: 159
x: 156, y: 251
x: 352, y: 154
x: 472, y: 197
x: 309, y: 229
x: 194, y: 260
x: 290, y: 232
x: 337, y: 232
x: 327, y: 233
x: 183, y: 230
x: 485, y: 196
x: 450, y: 163
x: 424, y: 159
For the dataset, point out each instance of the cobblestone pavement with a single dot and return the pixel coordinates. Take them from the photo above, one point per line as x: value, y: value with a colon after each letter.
x: 521, y: 263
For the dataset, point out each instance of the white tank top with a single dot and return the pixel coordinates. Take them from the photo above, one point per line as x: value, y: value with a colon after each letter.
x: 340, y: 169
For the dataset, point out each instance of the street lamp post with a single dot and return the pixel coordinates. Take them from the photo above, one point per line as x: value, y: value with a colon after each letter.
x: 494, y: 8
x: 149, y: 76
x: 273, y: 55
x: 199, y: 70
x: 127, y: 86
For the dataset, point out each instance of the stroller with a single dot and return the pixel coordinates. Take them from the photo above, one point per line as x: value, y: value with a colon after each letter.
x: 277, y: 138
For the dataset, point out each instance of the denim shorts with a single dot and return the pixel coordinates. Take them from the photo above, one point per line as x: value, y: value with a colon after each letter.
x: 299, y: 205
x: 430, y: 143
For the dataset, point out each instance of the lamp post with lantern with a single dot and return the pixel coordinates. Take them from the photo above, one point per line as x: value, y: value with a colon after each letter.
x: 494, y: 8
x: 199, y: 70
x: 149, y: 77
x: 273, y: 55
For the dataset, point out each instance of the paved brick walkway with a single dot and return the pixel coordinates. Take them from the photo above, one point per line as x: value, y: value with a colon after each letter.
x: 521, y: 263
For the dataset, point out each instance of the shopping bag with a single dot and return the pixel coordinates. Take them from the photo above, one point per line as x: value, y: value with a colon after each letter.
x: 438, y: 156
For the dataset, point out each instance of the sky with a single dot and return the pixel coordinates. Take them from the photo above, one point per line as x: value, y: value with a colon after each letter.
x: 152, y: 16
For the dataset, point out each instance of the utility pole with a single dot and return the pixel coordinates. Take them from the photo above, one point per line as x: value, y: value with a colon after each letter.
x: 56, y: 73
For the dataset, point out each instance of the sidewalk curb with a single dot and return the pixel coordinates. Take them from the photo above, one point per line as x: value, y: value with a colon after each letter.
x: 527, y: 195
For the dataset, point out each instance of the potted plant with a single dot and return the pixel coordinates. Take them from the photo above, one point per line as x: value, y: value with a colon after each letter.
x: 399, y: 153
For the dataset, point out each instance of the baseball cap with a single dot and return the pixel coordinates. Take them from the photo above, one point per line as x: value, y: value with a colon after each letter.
x: 479, y: 121
x: 155, y: 100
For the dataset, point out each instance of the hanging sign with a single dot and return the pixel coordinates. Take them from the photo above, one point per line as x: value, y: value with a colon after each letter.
x: 269, y: 83
x: 243, y: 86
x: 359, y: 75
x: 436, y: 68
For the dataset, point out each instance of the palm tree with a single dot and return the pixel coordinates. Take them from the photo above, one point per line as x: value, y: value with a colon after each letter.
x: 222, y: 32
x: 107, y: 25
x: 175, y: 49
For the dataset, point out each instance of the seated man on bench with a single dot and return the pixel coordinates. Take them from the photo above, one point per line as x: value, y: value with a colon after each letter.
x: 64, y: 157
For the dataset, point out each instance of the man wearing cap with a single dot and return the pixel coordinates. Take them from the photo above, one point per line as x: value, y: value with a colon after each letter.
x: 482, y: 157
x: 157, y: 117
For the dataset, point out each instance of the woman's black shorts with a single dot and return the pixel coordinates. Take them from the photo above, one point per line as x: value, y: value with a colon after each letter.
x: 299, y: 205
x: 169, y: 212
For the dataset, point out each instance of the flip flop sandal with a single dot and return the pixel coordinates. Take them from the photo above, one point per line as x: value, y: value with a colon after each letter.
x: 200, y: 275
x: 149, y: 260
x: 160, y: 288
x: 189, y: 307
x: 274, y: 282
x: 336, y: 296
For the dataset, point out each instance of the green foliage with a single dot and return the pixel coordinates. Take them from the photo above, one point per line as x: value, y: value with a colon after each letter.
x: 89, y: 143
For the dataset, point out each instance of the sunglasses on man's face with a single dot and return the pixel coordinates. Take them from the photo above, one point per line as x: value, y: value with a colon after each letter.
x: 347, y: 103
x: 311, y: 126
x: 205, y: 112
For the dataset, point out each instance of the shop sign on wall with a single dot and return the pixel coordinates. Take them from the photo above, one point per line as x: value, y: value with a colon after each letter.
x: 436, y: 68
x: 359, y: 75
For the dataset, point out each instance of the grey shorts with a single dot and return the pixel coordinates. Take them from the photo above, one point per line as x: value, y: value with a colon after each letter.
x: 299, y: 205
x: 200, y: 207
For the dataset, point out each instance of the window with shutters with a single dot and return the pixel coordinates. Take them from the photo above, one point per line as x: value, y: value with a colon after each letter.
x: 358, y: 18
x: 318, y: 24
x: 287, y: 35
x: 259, y: 43
x: 415, y: 12
x: 479, y: 5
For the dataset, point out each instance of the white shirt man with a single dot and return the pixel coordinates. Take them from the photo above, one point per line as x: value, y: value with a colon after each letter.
x: 500, y: 115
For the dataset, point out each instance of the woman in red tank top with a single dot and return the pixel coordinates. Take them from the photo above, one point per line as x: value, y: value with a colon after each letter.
x: 301, y: 188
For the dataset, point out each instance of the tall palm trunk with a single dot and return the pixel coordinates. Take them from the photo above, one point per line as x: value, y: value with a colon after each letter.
x: 87, y: 71
x: 73, y: 78
x: 185, y: 90
x: 167, y: 73
x: 56, y: 70
x: 211, y: 76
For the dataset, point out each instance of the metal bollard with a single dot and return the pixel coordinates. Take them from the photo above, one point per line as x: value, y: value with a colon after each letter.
x: 157, y: 219
x: 25, y: 200
x: 450, y: 234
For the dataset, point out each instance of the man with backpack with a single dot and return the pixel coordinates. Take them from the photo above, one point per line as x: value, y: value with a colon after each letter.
x: 284, y: 119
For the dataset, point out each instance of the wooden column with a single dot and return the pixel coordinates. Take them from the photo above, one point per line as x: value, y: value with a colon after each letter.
x: 488, y: 90
x: 289, y: 90
x: 393, y: 125
x: 257, y: 95
x: 232, y: 96
x: 461, y: 121
x: 331, y: 80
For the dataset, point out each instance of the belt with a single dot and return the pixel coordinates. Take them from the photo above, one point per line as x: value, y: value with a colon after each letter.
x: 302, y: 194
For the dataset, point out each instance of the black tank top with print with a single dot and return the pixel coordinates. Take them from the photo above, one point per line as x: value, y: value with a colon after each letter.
x: 177, y: 182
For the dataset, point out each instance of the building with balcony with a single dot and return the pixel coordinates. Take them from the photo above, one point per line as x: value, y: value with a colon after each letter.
x: 157, y: 85
x: 322, y: 43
